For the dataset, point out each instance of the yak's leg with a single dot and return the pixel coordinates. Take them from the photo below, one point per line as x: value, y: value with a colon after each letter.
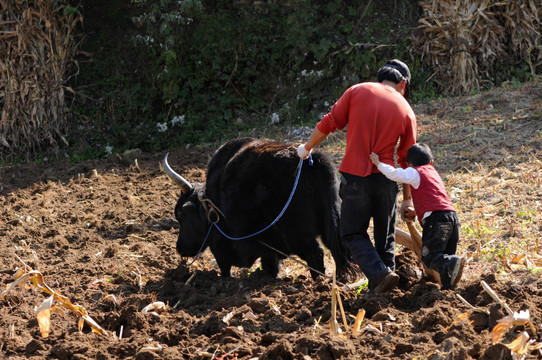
x: 313, y: 254
x: 225, y: 267
x: 270, y: 264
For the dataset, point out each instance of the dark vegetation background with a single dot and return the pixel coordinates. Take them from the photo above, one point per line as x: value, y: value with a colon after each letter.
x: 208, y: 70
x: 158, y: 74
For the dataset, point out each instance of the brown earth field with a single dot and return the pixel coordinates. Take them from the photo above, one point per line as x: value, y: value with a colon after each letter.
x: 102, y: 234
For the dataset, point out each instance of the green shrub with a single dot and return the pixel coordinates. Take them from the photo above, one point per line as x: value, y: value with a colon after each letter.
x: 201, y: 71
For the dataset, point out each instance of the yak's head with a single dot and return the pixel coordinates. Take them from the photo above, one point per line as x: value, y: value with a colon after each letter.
x: 190, y: 214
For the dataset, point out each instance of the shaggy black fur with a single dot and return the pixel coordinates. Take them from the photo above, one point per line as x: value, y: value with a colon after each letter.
x: 249, y: 181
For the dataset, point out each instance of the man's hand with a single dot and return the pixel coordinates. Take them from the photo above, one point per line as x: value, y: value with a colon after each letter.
x: 302, y: 152
x: 375, y: 159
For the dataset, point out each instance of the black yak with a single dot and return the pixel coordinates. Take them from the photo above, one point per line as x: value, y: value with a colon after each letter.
x: 248, y: 183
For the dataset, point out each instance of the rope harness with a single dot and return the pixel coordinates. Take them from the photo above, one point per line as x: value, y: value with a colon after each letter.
x: 210, y: 208
x: 213, y: 211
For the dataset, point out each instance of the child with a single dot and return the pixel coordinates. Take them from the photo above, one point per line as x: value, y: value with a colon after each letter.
x: 434, y: 210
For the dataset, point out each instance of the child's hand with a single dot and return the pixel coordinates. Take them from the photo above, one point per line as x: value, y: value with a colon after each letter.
x: 374, y: 158
x: 410, y: 214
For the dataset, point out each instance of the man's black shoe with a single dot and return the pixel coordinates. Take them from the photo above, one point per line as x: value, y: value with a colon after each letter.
x: 385, y: 283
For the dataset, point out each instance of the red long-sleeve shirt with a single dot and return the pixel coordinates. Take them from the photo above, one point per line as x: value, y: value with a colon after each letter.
x: 377, y: 117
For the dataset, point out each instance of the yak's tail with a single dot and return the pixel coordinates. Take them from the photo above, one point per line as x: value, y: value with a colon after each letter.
x: 340, y: 251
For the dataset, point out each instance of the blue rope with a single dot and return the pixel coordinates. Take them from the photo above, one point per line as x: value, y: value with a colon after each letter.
x: 298, y: 175
x: 202, y: 246
x: 279, y: 215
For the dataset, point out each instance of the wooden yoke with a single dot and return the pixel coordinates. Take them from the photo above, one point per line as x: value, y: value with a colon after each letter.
x: 413, y: 241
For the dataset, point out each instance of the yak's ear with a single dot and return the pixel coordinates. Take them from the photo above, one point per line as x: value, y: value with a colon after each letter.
x: 185, y: 186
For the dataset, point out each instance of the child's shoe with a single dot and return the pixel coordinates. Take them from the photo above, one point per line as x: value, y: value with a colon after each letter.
x: 451, y: 276
x: 458, y: 271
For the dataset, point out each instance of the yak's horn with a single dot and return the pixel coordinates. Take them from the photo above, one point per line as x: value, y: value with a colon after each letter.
x: 178, y: 179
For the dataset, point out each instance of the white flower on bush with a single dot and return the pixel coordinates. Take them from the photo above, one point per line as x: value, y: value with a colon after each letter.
x: 108, y: 150
x: 146, y: 40
x: 179, y: 119
x: 275, y: 118
x: 161, y: 127
x: 306, y: 73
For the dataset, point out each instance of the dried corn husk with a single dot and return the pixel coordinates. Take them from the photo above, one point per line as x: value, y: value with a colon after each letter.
x: 37, y: 50
x: 461, y: 40
x: 54, y: 302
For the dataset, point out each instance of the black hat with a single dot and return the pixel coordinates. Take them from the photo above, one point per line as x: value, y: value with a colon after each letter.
x: 397, y: 71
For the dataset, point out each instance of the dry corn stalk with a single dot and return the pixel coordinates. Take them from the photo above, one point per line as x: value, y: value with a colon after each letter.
x: 159, y: 307
x: 357, y: 323
x: 458, y: 319
x: 333, y: 324
x: 495, y: 297
x: 37, y: 49
x: 461, y: 40
x: 531, y: 261
x: 50, y: 304
x: 522, y: 23
x: 522, y: 343
x: 336, y: 299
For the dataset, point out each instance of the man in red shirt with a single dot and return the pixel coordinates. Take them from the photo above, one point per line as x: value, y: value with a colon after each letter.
x: 379, y: 119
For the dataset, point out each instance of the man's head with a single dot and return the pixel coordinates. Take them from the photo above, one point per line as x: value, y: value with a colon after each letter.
x: 419, y: 154
x: 395, y: 71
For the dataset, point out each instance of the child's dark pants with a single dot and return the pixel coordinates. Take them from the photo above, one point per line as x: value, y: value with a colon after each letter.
x: 440, y: 237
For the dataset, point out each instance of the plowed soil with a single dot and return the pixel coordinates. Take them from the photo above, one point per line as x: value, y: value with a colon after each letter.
x: 103, y: 233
